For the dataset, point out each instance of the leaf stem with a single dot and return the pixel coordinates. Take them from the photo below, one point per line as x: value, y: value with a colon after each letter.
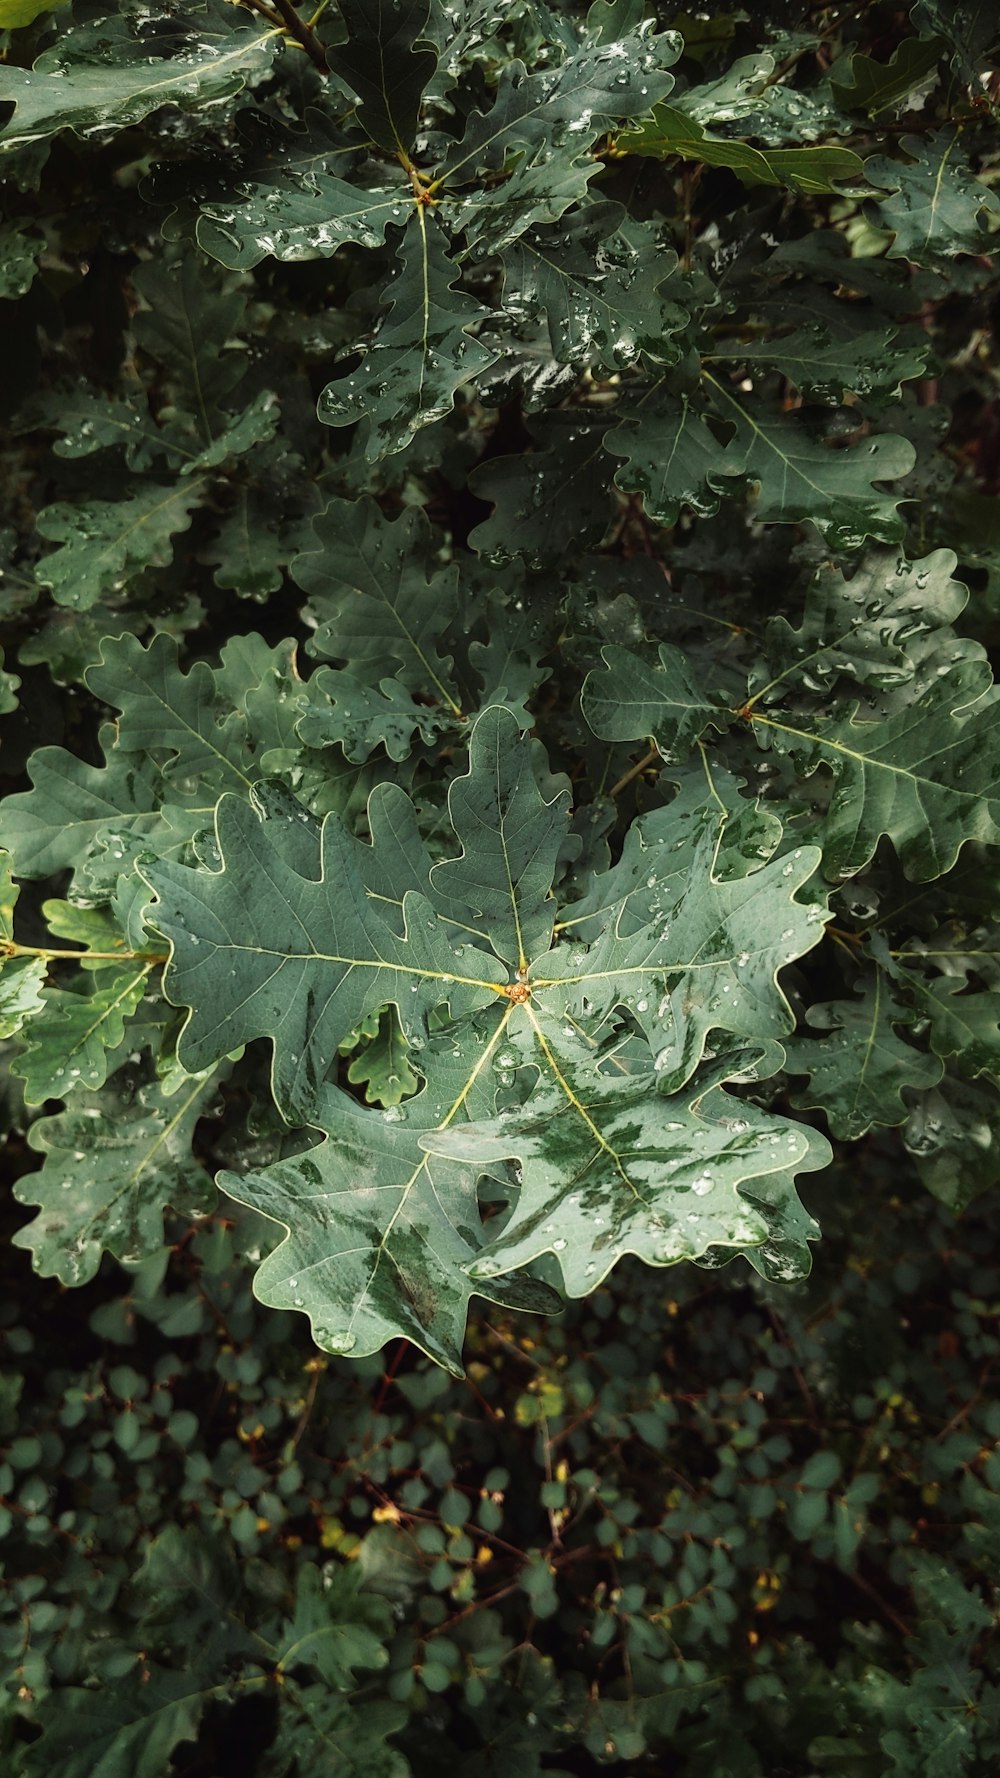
x: 8, y: 948
x: 283, y: 14
x: 650, y: 758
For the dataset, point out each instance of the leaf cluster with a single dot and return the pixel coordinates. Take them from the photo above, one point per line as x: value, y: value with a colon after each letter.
x: 497, y: 598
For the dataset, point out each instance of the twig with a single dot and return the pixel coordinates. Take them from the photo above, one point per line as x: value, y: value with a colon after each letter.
x: 283, y: 14
x: 652, y: 758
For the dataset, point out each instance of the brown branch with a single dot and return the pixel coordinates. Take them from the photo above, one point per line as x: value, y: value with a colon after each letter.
x: 283, y: 14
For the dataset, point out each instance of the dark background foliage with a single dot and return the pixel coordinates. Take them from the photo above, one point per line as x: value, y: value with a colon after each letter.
x: 604, y: 398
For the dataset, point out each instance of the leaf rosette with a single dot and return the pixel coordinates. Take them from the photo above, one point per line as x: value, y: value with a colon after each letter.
x: 304, y: 932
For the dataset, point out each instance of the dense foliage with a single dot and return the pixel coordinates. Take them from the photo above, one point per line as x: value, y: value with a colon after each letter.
x: 501, y: 762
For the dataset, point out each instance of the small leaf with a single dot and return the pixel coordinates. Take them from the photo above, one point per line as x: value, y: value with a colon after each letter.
x: 287, y: 203
x: 937, y: 204
x: 388, y: 62
x: 421, y: 353
x: 106, y: 75
x: 107, y: 543
x: 859, y: 1070
x: 70, y: 1041
x: 111, y: 1164
x: 627, y: 699
x: 376, y: 591
x: 611, y: 1168
x: 669, y: 131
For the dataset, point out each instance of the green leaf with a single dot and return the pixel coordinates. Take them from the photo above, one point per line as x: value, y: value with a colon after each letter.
x: 382, y: 1066
x: 337, y: 1627
x: 166, y: 711
x: 607, y: 287
x: 188, y: 325
x: 388, y: 62
x: 50, y: 827
x: 421, y: 353
x: 378, y: 598
x: 610, y: 1168
x: 937, y: 204
x: 107, y: 75
x: 924, y: 777
x: 107, y: 543
x: 864, y: 628
x: 287, y: 203
x: 255, y: 425
x: 21, y: 978
x: 969, y: 28
x: 125, y: 1730
x: 548, y: 501
x: 860, y: 83
x: 19, y: 253
x: 317, y: 1725
x: 964, y: 1024
x: 860, y: 1069
x: 672, y: 457
x: 296, y: 951
x: 628, y: 698
x: 511, y: 836
x: 705, y: 958
x: 951, y: 1135
x: 248, y: 550
x: 825, y: 363
x: 669, y: 131
x: 379, y: 1234
x: 21, y: 982
x: 562, y: 111
x: 69, y: 1043
x: 111, y: 1164
x: 342, y: 710
x: 802, y: 476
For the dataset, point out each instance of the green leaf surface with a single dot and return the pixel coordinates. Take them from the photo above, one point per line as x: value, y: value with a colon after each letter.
x: 318, y: 1725
x: 546, y: 502
x: 341, y: 710
x: 379, y: 1234
x: 106, y: 544
x: 382, y: 1065
x: 610, y: 1168
x: 861, y: 83
x: 288, y: 203
x: 669, y: 131
x: 111, y: 1164
x: 511, y: 836
x: 860, y: 1068
x: 126, y: 1730
x: 864, y: 627
x: 70, y: 1041
x: 377, y: 597
x: 306, y: 962
x: 951, y: 1135
x: 826, y: 365
x: 606, y: 286
x: 937, y: 204
x: 924, y: 777
x: 563, y: 110
x: 336, y: 1628
x: 388, y: 63
x: 106, y: 75
x: 629, y: 698
x: 189, y: 325
x: 672, y: 457
x: 50, y: 827
x: 800, y: 475
x: 19, y: 254
x: 167, y: 711
x: 421, y: 353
